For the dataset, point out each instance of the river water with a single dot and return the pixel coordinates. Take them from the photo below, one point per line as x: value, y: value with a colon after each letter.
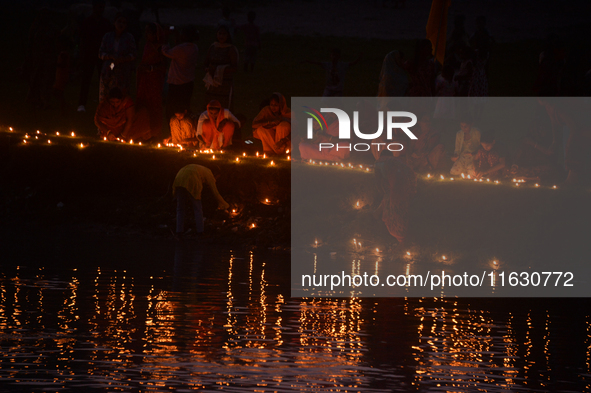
x: 114, y: 314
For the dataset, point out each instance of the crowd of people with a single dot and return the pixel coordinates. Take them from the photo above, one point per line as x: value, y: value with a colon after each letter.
x: 167, y: 69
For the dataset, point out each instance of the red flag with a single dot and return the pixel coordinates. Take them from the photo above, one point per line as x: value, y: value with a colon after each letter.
x: 437, y: 27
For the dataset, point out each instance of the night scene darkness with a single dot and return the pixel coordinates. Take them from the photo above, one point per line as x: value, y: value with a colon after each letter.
x: 295, y: 196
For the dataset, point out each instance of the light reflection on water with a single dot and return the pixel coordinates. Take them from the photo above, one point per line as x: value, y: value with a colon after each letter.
x: 225, y: 320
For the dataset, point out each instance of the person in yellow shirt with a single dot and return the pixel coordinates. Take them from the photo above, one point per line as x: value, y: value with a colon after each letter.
x: 187, y: 188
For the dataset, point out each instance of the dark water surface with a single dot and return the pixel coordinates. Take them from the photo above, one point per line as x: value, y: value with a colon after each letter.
x: 84, y: 313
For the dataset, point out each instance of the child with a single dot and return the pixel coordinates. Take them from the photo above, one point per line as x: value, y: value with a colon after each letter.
x: 490, y: 159
x: 467, y: 145
x: 187, y: 187
x: 183, y: 128
x: 252, y: 40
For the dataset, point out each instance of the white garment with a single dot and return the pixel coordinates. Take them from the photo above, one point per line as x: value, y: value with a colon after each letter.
x: 217, y: 79
x: 204, y: 116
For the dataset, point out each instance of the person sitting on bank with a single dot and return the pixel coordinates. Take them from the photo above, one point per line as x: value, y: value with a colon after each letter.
x: 216, y: 127
x: 536, y: 155
x: 426, y: 152
x: 183, y: 128
x: 117, y: 118
x: 490, y: 160
x: 187, y: 187
x: 273, y: 126
x: 467, y: 144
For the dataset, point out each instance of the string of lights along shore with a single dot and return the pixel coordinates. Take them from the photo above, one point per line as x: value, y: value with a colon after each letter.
x: 46, y: 138
x: 42, y: 137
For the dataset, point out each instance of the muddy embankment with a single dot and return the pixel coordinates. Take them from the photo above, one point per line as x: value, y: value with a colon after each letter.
x: 126, y: 190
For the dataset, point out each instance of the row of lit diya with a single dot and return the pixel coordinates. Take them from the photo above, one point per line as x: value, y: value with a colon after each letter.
x: 367, y: 168
x: 35, y: 136
x: 515, y: 181
x: 357, y: 248
x: 234, y: 212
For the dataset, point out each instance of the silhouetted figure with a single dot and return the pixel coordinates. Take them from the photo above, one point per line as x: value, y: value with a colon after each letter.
x: 252, y: 41
x: 181, y: 74
x: 151, y: 73
x: 227, y: 22
x: 571, y: 115
x: 397, y: 183
x: 336, y: 71
x: 221, y: 63
x: 481, y: 40
x: 535, y: 157
x: 422, y: 70
x: 92, y: 31
x: 552, y: 60
x: 458, y: 38
x: 393, y: 77
x: 118, y: 54
x: 40, y: 60
x: 62, y: 74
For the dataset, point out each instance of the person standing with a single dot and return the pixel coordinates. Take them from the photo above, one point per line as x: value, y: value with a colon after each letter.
x: 118, y: 54
x: 252, y: 40
x: 150, y: 78
x: 221, y: 63
x: 398, y: 185
x: 335, y: 73
x: 92, y: 31
x: 40, y: 59
x: 181, y: 74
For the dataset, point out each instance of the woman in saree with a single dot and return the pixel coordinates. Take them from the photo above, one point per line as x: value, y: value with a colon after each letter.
x: 117, y: 118
x: 151, y: 74
x: 216, y: 127
x: 221, y: 62
x: 273, y: 126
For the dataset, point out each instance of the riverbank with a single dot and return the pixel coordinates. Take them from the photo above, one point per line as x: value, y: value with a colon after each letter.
x: 126, y: 189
